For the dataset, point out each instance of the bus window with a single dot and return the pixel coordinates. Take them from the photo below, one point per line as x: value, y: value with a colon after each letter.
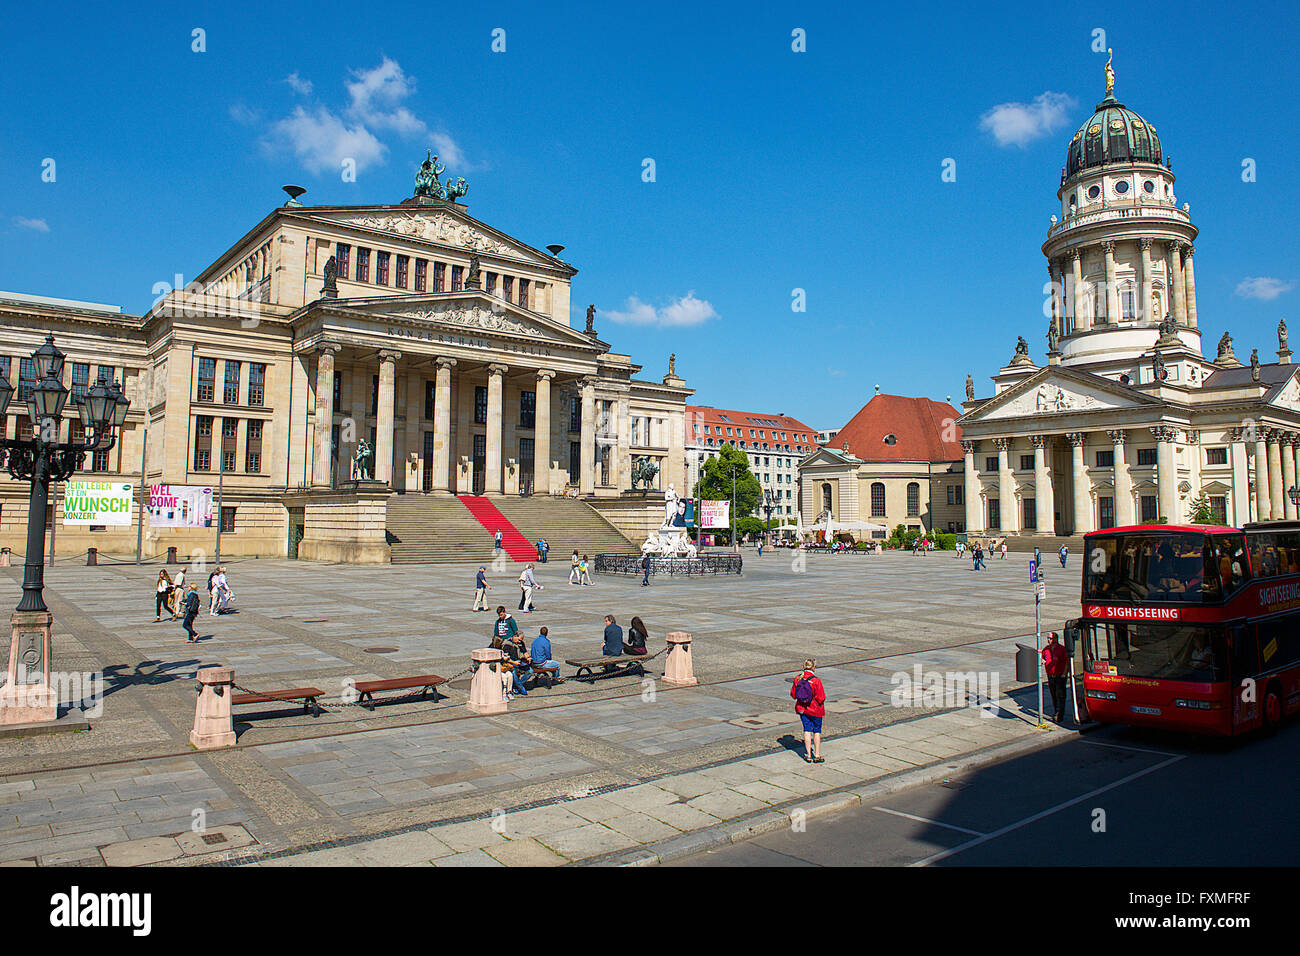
x: 1179, y: 652
x: 1234, y: 568
x: 1160, y: 568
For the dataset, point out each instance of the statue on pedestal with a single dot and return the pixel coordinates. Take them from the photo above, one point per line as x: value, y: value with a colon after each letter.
x: 363, y: 461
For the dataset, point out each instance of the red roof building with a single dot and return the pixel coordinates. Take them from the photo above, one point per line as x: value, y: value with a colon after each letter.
x: 775, y: 445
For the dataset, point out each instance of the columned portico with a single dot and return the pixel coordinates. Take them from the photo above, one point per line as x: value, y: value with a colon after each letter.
x: 1276, y: 490
x: 1262, y: 503
x: 974, y: 509
x: 1287, y: 452
x: 442, y: 424
x: 1112, y: 294
x: 492, y: 459
x: 384, y: 416
x: 1167, y: 474
x: 1144, y: 287
x: 542, y: 433
x: 1043, y: 511
x: 1082, y: 489
x: 1006, y: 488
x: 1189, y: 282
x: 1123, y: 479
x: 1081, y: 323
x: 320, y: 474
x: 1174, y: 259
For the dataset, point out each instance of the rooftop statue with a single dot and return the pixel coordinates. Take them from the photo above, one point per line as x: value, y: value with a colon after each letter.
x: 1110, y: 73
x: 426, y: 180
x: 1225, y: 344
x: 1281, y: 335
x: 1022, y: 347
x: 970, y: 388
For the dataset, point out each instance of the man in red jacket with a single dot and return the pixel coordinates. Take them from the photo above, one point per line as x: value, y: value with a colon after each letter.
x: 810, y: 704
x: 1056, y: 662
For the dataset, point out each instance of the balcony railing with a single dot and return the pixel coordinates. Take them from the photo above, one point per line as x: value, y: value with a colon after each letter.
x: 1152, y: 211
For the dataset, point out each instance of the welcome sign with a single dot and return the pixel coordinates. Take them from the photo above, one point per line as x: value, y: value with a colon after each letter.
x: 180, y: 506
x: 97, y: 502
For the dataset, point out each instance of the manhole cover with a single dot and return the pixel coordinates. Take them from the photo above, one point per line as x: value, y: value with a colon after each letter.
x: 380, y: 650
x: 211, y: 839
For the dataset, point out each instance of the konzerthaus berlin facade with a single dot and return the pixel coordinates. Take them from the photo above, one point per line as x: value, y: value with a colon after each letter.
x: 443, y: 343
x: 1128, y: 421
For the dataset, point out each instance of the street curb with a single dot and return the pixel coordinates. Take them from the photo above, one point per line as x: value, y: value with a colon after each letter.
x: 762, y: 822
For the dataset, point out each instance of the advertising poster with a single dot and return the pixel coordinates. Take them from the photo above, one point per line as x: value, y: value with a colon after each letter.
x: 180, y: 506
x: 715, y: 514
x: 97, y: 502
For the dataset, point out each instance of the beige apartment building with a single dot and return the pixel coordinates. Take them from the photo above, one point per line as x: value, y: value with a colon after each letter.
x: 440, y: 342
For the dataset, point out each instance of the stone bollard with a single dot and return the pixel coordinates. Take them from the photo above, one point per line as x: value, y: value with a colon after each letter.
x: 678, y: 669
x: 6, y: 557
x: 486, y: 695
x: 92, y: 557
x: 213, y: 726
x: 171, y: 556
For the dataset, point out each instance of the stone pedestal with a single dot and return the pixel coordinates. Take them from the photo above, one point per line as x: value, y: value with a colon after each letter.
x: 678, y: 670
x: 28, y: 697
x: 486, y: 695
x: 213, y: 725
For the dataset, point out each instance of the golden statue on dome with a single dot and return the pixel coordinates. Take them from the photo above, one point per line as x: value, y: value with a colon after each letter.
x: 1110, y: 73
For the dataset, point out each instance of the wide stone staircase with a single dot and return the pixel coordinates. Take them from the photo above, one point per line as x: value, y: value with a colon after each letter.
x: 565, y: 523
x: 435, y: 529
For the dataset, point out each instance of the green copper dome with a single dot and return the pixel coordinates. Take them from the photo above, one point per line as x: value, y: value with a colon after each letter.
x: 1113, y: 134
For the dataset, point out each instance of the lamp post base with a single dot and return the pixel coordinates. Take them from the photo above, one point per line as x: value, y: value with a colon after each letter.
x: 28, y: 697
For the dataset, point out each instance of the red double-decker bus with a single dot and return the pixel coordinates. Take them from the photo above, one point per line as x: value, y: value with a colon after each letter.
x: 1192, y: 627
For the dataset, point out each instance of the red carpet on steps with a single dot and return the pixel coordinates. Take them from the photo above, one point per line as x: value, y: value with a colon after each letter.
x: 512, y: 542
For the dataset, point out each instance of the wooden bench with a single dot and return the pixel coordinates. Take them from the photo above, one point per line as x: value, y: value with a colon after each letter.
x: 307, y: 695
x: 367, y: 688
x: 539, y: 674
x: 627, y: 664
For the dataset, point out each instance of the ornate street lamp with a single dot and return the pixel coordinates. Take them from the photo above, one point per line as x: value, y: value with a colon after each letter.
x: 1294, y: 494
x: 40, y: 460
x: 769, y: 505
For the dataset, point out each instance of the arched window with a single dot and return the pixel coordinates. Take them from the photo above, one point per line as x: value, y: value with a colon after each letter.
x: 913, y: 499
x: 877, y: 499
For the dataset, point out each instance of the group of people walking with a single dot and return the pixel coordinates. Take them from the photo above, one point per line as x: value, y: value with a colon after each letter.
x: 182, y: 599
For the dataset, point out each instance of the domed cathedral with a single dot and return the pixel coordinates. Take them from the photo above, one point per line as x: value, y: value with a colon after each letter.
x: 1127, y: 422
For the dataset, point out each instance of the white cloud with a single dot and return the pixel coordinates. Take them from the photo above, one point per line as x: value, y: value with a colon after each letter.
x: 245, y: 115
x: 834, y: 371
x: 298, y: 84
x: 1262, y: 287
x: 37, y: 225
x: 1018, y: 124
x: 322, y: 137
x: 684, y: 311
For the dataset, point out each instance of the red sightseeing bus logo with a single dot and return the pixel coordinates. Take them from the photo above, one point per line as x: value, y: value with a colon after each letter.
x: 1135, y: 613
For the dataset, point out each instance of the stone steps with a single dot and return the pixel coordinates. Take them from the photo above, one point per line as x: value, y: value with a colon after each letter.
x: 566, y: 524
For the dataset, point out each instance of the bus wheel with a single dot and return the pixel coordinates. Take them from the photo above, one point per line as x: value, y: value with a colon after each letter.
x: 1272, y: 709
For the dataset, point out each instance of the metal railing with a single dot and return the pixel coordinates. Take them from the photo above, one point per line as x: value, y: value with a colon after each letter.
x: 1151, y: 211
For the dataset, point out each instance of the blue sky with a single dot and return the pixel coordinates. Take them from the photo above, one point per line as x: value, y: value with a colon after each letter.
x: 774, y: 170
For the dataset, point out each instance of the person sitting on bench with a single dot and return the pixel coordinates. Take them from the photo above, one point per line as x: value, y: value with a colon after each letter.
x: 541, y: 655
x: 613, y: 638
x: 514, y: 657
x: 636, y: 637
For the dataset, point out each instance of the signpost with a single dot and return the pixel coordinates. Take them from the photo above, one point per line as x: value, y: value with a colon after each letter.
x: 1038, y: 578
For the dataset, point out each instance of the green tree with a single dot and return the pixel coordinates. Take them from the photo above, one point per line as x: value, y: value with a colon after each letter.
x: 715, y: 482
x: 1199, y: 511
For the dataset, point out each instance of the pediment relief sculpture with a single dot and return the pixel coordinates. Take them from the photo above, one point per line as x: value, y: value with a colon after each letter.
x: 473, y: 318
x: 439, y: 227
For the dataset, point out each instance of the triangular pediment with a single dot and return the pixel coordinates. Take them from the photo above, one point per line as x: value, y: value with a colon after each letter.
x: 472, y: 311
x: 1055, y: 390
x: 828, y: 456
x: 442, y: 223
x: 1287, y: 394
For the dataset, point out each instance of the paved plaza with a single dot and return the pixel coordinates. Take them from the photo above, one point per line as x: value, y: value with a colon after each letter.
x: 610, y: 771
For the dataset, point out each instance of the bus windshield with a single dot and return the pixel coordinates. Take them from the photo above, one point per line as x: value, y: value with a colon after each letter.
x: 1183, y: 652
x: 1168, y: 568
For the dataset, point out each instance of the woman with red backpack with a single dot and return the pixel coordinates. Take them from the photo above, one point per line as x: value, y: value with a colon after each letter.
x: 810, y: 704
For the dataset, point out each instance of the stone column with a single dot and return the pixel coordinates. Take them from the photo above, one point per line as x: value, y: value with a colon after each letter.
x: 1144, y: 286
x: 1296, y: 441
x: 1261, y: 476
x: 974, y: 513
x: 1006, y: 487
x: 1175, y: 260
x: 1189, y: 282
x: 1286, y: 446
x: 1112, y: 293
x: 1124, y: 512
x: 384, y: 416
x: 1166, y: 473
x: 1053, y: 278
x: 1082, y: 489
x: 1240, y: 513
x: 1081, y: 321
x: 587, y: 451
x: 1043, y: 511
x: 442, y: 425
x: 320, y: 472
x: 542, y: 434
x: 1276, y: 490
x: 492, y: 460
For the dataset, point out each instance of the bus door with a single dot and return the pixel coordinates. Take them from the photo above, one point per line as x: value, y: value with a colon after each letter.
x: 1070, y: 636
x: 1243, y: 663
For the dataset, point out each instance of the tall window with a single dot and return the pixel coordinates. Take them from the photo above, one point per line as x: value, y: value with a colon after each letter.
x: 1106, y: 459
x: 523, y: 292
x: 508, y: 288
x: 913, y: 499
x: 490, y: 283
x: 527, y: 409
x: 430, y: 389
x: 1028, y: 513
x: 1105, y: 512
x: 421, y: 271
x: 991, y: 463
x: 99, y: 460
x: 256, y: 383
x: 1219, y: 508
x: 1150, y: 509
x: 207, y: 379
x: 229, y: 436
x: 1216, y: 456
x: 440, y: 277
x: 1128, y: 303
x: 480, y: 405
x: 341, y: 256
x: 877, y: 499
x: 402, y: 263
x: 381, y: 268
x: 575, y: 461
x: 1146, y: 456
x: 5, y: 366
x: 575, y: 414
x: 80, y: 380
x: 374, y: 395
x: 227, y: 520
x: 203, y: 443
x: 457, y: 278
x: 230, y: 395
x: 363, y: 264
x: 995, y: 514
x: 253, y: 454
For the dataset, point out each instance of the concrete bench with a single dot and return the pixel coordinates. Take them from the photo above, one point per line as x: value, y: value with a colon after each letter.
x: 367, y: 688
x: 307, y: 695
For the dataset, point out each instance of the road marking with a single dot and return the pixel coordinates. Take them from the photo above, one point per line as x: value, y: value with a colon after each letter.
x: 1141, y: 750
x: 943, y: 855
x: 933, y: 823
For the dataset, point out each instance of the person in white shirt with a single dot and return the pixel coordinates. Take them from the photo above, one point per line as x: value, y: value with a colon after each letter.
x: 178, y: 592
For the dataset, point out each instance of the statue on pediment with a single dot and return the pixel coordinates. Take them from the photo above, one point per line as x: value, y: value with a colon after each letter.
x: 970, y: 388
x: 1053, y: 338
x: 1254, y: 365
x: 331, y: 288
x: 1281, y: 335
x: 472, y: 276
x: 672, y: 365
x: 591, y: 319
x: 1022, y: 347
x: 453, y: 191
x: 426, y: 180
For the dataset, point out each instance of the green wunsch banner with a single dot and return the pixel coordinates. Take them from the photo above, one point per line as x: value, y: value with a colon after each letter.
x: 97, y: 502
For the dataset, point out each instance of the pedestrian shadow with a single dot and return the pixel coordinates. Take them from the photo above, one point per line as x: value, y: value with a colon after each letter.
x: 791, y: 742
x: 146, y: 674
